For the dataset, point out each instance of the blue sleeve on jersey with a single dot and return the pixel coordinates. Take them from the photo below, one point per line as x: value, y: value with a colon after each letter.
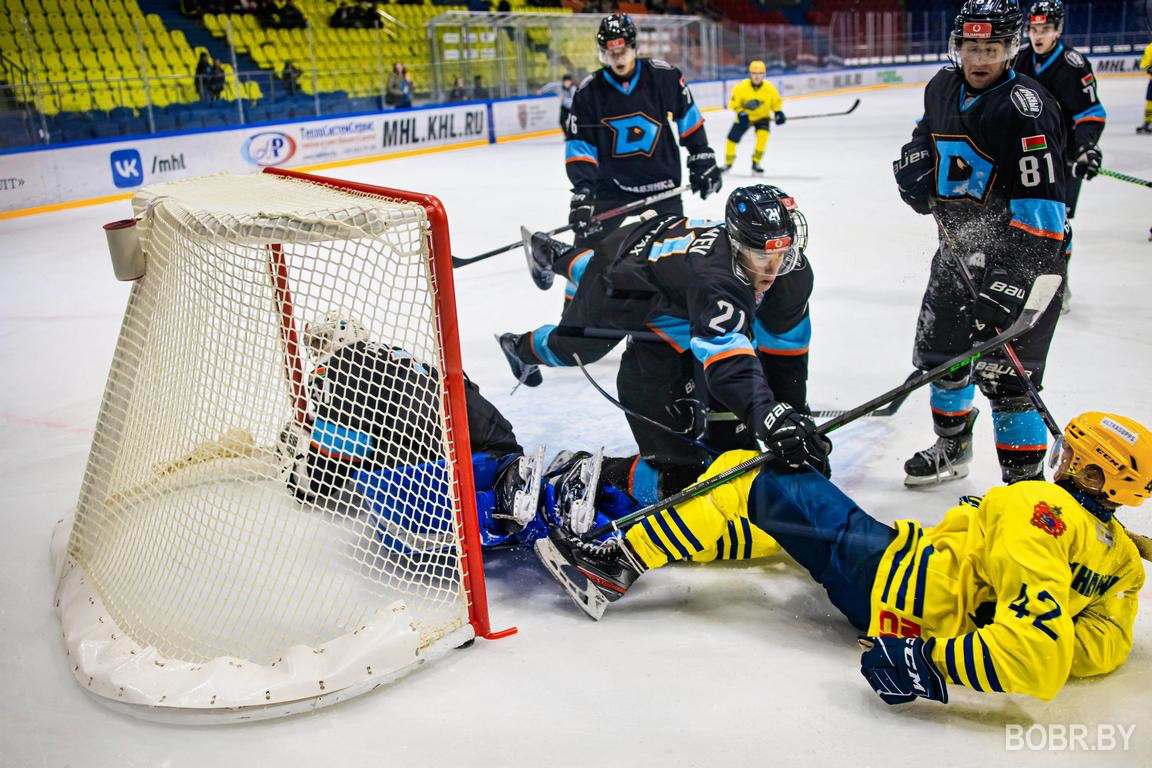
x: 576, y: 151
x: 794, y: 341
x: 717, y: 348
x: 1043, y: 218
x: 674, y: 330
x: 689, y: 121
x: 341, y: 442
x: 1094, y: 112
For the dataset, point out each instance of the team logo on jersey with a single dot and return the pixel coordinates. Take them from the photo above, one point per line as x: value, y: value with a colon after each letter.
x: 1048, y: 519
x: 977, y: 29
x: 962, y: 171
x: 1074, y: 58
x: 634, y: 134
x: 1027, y: 101
x: 1034, y: 143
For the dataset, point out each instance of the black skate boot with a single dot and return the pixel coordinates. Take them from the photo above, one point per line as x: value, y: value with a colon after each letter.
x: 527, y: 374
x: 542, y: 252
x: 576, y: 487
x: 517, y: 491
x: 1145, y: 128
x: 946, y: 460
x: 592, y: 573
x: 757, y: 169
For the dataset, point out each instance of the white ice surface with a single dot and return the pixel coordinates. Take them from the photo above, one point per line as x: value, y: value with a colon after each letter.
x: 729, y: 664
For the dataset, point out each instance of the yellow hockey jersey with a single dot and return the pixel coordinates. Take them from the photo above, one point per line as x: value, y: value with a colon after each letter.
x: 760, y: 103
x: 1019, y: 591
x: 1146, y: 60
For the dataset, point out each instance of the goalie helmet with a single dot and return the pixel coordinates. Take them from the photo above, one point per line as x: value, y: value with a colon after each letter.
x: 767, y: 231
x: 1047, y: 12
x: 987, y: 21
x: 328, y: 336
x: 1120, y: 447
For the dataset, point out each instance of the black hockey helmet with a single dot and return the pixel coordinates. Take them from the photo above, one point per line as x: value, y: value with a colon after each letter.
x: 1047, y: 12
x: 767, y: 231
x: 617, y: 26
x: 987, y: 21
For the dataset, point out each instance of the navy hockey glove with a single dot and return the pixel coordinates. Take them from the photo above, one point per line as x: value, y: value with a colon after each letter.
x: 780, y: 119
x: 998, y: 302
x: 580, y: 213
x: 793, y: 440
x: 913, y: 172
x: 901, y: 669
x: 1087, y: 165
x: 703, y: 174
x: 742, y: 117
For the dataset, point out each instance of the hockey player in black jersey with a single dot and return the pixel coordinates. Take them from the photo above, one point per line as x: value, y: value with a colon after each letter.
x: 987, y: 160
x: 726, y: 299
x: 620, y: 145
x: 1069, y: 78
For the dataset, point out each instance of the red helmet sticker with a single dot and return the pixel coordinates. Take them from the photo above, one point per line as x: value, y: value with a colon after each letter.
x: 617, y: 43
x: 778, y: 243
x: 1039, y: 18
x: 977, y: 29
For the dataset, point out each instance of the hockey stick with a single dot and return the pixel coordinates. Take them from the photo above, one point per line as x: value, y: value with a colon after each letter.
x: 1043, y: 290
x: 1125, y: 177
x: 1009, y: 350
x: 629, y: 412
x: 611, y: 213
x: 888, y: 410
x: 848, y: 111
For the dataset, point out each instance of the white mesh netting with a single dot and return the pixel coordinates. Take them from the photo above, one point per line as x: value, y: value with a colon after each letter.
x: 272, y: 466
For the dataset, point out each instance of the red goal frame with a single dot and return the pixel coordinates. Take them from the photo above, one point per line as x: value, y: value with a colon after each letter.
x: 472, y: 560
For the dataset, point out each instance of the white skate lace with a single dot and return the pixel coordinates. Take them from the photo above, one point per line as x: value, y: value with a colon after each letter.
x: 937, y: 454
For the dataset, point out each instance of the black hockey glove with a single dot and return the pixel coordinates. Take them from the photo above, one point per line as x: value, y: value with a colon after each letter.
x: 792, y: 438
x: 703, y: 174
x: 780, y: 119
x: 998, y: 302
x: 901, y: 669
x: 742, y: 118
x: 580, y: 212
x: 1087, y: 164
x: 913, y: 172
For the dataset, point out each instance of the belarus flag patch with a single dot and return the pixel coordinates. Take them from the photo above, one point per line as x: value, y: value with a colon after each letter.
x: 1034, y: 143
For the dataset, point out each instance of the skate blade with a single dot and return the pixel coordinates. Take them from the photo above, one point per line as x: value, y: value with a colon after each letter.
x: 580, y: 519
x: 955, y: 473
x: 582, y: 591
x: 528, y: 501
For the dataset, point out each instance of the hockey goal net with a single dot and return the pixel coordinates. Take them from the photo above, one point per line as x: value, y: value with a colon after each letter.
x: 194, y: 578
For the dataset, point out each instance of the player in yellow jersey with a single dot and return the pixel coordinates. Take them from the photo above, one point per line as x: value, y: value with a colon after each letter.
x: 1012, y: 592
x: 1146, y: 65
x: 756, y: 103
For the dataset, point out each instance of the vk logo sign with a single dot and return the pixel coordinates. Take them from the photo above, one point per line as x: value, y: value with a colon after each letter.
x: 963, y: 170
x: 127, y: 169
x: 634, y: 134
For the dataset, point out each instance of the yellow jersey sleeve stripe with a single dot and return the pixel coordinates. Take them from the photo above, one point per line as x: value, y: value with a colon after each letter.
x: 689, y: 537
x: 648, y: 529
x: 913, y: 534
x: 989, y: 668
x: 746, y: 528
x: 921, y: 580
x: 950, y: 662
x: 970, y: 663
x: 671, y: 537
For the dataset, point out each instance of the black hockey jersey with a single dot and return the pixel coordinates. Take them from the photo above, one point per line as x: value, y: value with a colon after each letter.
x: 1069, y: 78
x: 619, y: 140
x: 998, y: 186
x: 703, y: 305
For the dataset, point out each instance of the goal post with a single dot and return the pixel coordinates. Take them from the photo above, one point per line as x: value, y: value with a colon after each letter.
x: 205, y: 574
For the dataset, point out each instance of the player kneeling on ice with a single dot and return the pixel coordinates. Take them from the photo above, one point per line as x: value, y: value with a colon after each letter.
x: 986, y: 160
x: 1012, y: 592
x: 725, y: 303
x: 757, y: 104
x: 365, y: 446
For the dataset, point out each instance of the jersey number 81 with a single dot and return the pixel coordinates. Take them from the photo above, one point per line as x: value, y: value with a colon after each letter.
x: 1030, y: 170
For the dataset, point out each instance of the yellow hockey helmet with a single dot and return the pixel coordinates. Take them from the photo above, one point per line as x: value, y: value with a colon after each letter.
x: 1120, y: 447
x: 757, y: 68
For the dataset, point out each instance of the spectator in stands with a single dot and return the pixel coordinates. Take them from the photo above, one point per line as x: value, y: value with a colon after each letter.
x: 342, y: 17
x: 479, y: 90
x: 281, y: 14
x: 214, y: 80
x: 503, y: 7
x: 202, y: 69
x: 290, y: 77
x: 457, y: 93
x: 399, y: 89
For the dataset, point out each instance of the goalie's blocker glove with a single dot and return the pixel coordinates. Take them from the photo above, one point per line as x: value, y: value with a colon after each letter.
x: 913, y: 172
x: 793, y: 440
x: 901, y: 669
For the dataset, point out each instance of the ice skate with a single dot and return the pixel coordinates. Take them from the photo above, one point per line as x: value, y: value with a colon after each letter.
x: 527, y: 374
x: 593, y: 574
x: 947, y: 459
x: 576, y: 492
x: 541, y: 252
x: 518, y: 489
